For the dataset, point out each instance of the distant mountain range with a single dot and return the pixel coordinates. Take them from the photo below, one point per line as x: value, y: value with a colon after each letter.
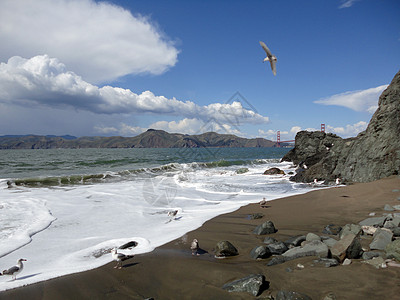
x: 150, y: 139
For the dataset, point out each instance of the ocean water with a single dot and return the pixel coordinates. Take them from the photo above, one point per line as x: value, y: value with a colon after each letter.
x: 64, y: 209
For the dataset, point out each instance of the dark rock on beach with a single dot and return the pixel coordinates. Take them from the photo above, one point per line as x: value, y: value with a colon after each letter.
x: 254, y: 284
x: 224, y: 249
x: 265, y: 228
x: 274, y: 171
x: 260, y: 252
x: 372, y: 155
x: 277, y: 248
x: 295, y: 241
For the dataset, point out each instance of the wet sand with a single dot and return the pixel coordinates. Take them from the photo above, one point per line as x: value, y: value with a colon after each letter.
x: 171, y: 272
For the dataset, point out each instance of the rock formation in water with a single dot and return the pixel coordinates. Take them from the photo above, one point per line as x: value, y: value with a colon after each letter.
x: 373, y: 154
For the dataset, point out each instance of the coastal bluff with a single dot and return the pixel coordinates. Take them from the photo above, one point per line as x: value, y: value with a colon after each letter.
x: 372, y: 155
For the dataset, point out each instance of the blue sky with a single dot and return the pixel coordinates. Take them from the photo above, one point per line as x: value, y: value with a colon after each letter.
x: 120, y: 67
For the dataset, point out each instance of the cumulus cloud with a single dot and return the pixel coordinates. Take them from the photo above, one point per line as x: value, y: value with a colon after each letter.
x: 98, y: 40
x: 363, y: 100
x: 45, y: 81
x: 347, y: 3
x: 348, y: 130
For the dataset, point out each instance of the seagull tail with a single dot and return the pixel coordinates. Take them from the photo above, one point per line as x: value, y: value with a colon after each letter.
x: 127, y: 257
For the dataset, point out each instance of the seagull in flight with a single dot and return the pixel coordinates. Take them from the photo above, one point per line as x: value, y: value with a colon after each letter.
x: 15, y: 270
x: 270, y: 57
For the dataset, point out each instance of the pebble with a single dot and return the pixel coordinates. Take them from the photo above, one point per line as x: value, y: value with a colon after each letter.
x: 346, y: 262
x: 372, y: 214
x: 300, y: 266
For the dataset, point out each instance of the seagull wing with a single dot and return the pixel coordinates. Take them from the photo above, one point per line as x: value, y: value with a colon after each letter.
x: 11, y: 270
x: 269, y: 54
x: 273, y: 66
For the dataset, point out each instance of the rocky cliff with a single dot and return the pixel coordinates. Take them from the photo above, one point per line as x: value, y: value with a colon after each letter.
x: 373, y: 154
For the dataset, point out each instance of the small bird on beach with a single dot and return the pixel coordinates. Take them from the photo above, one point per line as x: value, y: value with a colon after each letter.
x: 119, y: 258
x: 172, y: 214
x: 15, y: 270
x: 195, y: 247
x: 263, y: 202
x: 270, y: 57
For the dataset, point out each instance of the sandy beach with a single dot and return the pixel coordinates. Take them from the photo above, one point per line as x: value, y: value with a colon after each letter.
x: 171, y: 272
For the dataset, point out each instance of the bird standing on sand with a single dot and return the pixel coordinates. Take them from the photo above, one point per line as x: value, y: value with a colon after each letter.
x: 119, y: 258
x: 263, y: 203
x: 195, y: 247
x: 14, y: 271
x: 270, y: 57
x: 172, y: 214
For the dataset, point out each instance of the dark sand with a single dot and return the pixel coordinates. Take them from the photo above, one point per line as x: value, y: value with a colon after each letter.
x: 171, y: 272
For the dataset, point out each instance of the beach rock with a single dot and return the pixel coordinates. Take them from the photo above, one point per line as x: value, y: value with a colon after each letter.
x: 290, y: 295
x: 265, y: 228
x: 260, y: 252
x: 295, y: 241
x: 382, y: 237
x: 396, y: 207
x: 330, y: 242
x: 330, y: 296
x: 270, y: 240
x: 346, y: 262
x: 326, y: 262
x: 224, y: 249
x: 396, y: 231
x: 377, y: 262
x: 277, y: 248
x: 312, y: 237
x: 375, y: 222
x: 332, y: 229
x: 314, y: 248
x: 349, y: 246
x: 274, y: 171
x: 130, y: 244
x: 254, y: 284
x: 371, y: 254
x: 392, y: 223
x: 369, y: 229
x: 276, y: 260
x: 256, y: 216
x: 350, y: 229
x: 242, y: 170
x: 387, y: 207
x: 393, y: 250
x: 370, y: 156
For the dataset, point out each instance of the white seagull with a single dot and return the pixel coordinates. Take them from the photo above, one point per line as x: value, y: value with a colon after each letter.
x: 119, y: 258
x: 195, y: 247
x: 14, y: 271
x: 270, y: 57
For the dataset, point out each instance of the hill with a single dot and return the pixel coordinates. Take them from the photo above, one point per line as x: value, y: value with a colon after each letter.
x: 150, y: 139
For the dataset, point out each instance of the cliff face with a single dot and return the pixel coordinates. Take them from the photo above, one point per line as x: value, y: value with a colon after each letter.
x: 373, y: 154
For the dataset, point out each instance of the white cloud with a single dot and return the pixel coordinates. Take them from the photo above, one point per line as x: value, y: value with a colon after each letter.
x: 98, y: 40
x: 363, y: 100
x: 349, y: 130
x: 347, y: 3
x: 44, y: 81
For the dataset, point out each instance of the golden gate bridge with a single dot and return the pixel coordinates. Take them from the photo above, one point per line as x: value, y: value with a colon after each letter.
x: 279, y: 142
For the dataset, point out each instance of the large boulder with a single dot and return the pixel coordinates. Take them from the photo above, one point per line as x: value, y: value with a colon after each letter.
x: 393, y: 250
x: 224, y: 249
x: 274, y: 171
x: 372, y: 155
x: 265, y: 228
x: 349, y: 246
x: 314, y: 248
x: 260, y: 252
x: 253, y: 284
x: 382, y: 237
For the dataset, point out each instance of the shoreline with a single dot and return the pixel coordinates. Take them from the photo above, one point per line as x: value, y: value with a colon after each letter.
x: 171, y: 272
